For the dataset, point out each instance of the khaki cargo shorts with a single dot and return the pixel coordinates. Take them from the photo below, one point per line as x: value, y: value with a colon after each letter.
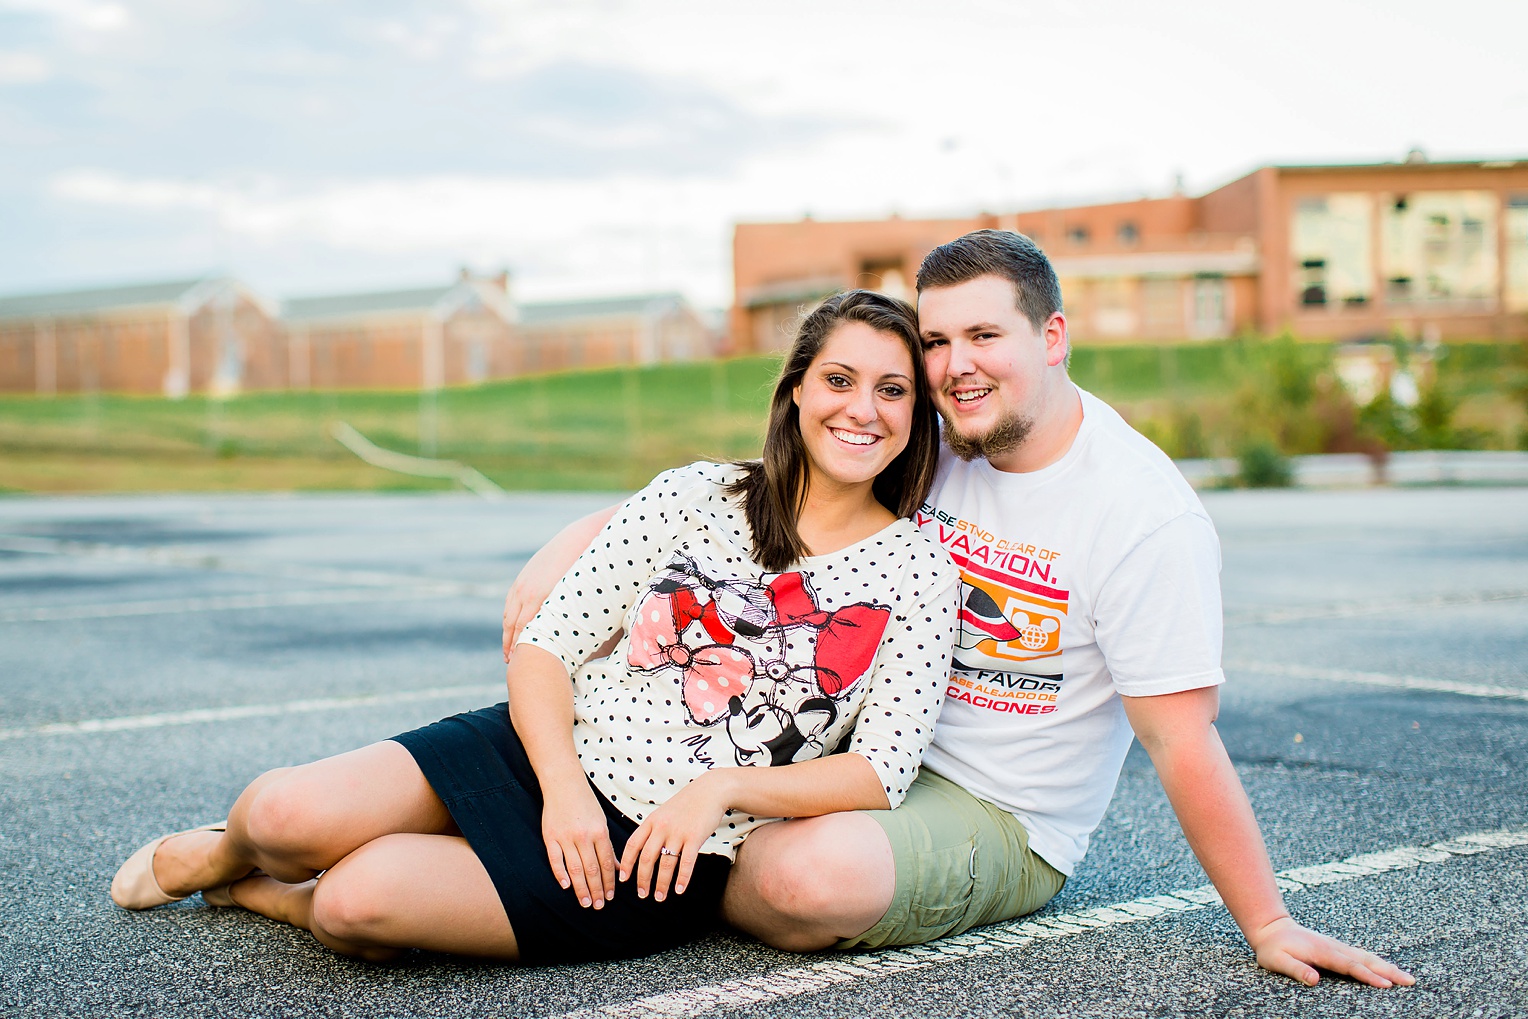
x: 961, y: 862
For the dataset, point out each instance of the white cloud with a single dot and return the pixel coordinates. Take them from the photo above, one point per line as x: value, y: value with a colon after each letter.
x: 564, y: 237
x: 620, y: 232
x: 608, y: 104
x: 24, y: 68
x: 91, y: 15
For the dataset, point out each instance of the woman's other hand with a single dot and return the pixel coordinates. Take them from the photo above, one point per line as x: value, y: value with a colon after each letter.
x: 537, y: 578
x: 578, y: 844
x: 680, y: 826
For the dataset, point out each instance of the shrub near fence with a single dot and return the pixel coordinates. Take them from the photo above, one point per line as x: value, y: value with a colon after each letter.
x: 1222, y: 398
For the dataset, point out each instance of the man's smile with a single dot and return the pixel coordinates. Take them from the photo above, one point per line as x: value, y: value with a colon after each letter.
x: 969, y: 394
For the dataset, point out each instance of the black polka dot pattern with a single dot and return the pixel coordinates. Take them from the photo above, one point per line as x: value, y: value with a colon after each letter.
x: 725, y: 654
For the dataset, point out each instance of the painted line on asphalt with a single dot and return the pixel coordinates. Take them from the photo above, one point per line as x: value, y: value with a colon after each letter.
x: 127, y: 723
x: 1381, y: 679
x: 184, y: 558
x: 795, y: 981
x: 213, y: 603
x: 1347, y: 610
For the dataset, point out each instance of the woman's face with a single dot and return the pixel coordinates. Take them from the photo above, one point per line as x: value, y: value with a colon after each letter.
x: 856, y: 405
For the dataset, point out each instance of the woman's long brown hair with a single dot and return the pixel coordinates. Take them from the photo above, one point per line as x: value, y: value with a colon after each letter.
x: 774, y: 487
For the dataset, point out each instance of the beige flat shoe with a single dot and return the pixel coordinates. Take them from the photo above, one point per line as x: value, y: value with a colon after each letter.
x: 134, y: 886
x: 219, y: 896
x: 222, y: 895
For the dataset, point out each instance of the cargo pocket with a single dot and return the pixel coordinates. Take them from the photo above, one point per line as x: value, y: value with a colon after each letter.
x: 942, y: 898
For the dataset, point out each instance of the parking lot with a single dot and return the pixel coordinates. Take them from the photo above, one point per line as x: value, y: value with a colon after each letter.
x: 157, y: 653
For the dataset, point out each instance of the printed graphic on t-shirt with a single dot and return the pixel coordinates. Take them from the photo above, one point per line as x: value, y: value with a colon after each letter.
x: 1008, y: 644
x: 759, y: 660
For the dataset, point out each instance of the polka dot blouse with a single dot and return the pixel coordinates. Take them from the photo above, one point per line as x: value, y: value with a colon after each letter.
x: 725, y: 665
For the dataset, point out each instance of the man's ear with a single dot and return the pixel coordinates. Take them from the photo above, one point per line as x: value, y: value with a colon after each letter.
x: 1057, y: 342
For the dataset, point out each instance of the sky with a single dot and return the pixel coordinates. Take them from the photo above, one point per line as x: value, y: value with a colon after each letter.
x: 601, y: 147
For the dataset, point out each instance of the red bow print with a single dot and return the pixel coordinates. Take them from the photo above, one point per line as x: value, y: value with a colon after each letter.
x: 712, y: 675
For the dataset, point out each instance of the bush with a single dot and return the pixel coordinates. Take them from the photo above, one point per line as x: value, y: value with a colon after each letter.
x: 1260, y: 464
x: 1289, y: 395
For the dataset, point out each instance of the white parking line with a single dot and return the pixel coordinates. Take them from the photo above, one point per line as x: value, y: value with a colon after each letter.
x: 795, y: 981
x: 477, y: 692
x: 360, y: 585
x: 1381, y: 679
x: 188, y: 558
x: 212, y: 603
x: 1348, y: 610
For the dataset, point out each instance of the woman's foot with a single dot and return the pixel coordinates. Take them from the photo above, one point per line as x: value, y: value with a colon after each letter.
x: 293, y: 904
x: 189, y: 862
x: 172, y: 867
x: 222, y: 895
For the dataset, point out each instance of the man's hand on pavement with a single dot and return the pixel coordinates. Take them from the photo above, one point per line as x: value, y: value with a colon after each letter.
x: 1286, y: 947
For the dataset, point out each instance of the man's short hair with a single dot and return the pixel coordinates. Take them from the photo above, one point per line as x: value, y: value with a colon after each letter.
x: 1004, y: 253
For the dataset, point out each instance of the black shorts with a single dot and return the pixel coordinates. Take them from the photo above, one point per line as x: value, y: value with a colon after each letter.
x: 478, y: 767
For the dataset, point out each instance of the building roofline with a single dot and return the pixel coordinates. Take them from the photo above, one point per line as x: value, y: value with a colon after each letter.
x: 1421, y: 166
x: 440, y: 301
x: 1418, y: 166
x: 550, y: 312
x: 187, y: 294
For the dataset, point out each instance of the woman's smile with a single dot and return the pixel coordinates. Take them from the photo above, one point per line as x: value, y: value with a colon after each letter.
x: 855, y: 438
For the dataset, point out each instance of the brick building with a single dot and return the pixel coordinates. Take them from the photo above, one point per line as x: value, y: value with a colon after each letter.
x: 641, y: 329
x: 215, y: 336
x: 203, y: 335
x: 1437, y: 250
x: 419, y: 338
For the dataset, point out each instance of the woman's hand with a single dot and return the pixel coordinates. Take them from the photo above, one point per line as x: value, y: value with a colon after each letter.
x: 671, y: 837
x: 578, y: 844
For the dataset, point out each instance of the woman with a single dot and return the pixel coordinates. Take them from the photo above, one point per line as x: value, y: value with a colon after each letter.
x: 770, y: 610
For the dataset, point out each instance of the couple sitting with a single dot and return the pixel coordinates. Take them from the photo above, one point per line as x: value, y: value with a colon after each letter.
x: 790, y: 630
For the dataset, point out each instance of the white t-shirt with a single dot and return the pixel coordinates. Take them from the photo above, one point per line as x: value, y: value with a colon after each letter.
x: 1096, y: 576
x: 723, y: 664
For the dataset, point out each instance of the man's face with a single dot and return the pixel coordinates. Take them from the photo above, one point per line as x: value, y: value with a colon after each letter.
x: 986, y: 365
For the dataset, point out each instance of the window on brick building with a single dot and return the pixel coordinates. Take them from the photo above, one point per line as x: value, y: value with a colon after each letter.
x: 1517, y: 252
x: 1162, y: 306
x: 1212, y: 306
x: 1114, y: 301
x: 885, y: 275
x: 1440, y: 247
x: 1330, y: 241
x: 1129, y: 234
x: 1077, y: 234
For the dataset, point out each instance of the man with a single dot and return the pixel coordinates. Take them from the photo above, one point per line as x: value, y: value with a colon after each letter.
x: 1091, y: 613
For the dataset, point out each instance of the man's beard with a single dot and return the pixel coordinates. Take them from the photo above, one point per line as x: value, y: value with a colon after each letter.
x: 1004, y: 437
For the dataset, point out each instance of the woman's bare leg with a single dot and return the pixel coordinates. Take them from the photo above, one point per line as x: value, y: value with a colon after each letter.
x: 395, y: 892
x: 293, y: 823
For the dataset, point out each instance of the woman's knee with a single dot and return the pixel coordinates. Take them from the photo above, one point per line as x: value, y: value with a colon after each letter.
x: 353, y: 901
x: 282, y: 818
x: 820, y: 872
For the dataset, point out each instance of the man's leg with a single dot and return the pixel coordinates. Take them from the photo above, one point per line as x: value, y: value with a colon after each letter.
x: 807, y: 884
x: 941, y: 863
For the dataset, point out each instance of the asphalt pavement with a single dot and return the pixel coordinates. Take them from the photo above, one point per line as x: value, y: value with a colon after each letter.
x: 156, y: 653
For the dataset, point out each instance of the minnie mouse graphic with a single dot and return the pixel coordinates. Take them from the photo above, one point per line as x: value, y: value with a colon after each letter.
x: 741, y: 659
